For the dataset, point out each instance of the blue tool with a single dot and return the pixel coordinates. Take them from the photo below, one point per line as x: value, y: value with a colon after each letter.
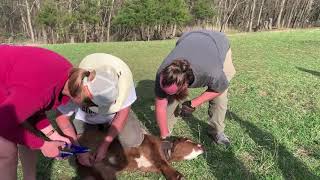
x: 73, y: 150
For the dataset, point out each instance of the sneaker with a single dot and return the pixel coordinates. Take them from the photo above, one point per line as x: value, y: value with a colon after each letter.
x: 222, y: 139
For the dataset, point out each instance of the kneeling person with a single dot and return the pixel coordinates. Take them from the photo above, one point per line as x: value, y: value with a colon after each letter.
x: 108, y: 92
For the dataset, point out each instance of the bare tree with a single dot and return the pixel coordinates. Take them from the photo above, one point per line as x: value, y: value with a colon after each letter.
x: 292, y: 12
x: 252, y: 15
x: 104, y: 21
x: 109, y: 20
x: 43, y: 29
x: 29, y: 20
x: 228, y: 13
x: 260, y: 12
x: 280, y: 14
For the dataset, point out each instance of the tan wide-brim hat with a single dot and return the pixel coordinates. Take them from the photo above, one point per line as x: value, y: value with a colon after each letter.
x: 99, y: 61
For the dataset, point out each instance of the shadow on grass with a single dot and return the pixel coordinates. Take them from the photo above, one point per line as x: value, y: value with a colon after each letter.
x: 44, y: 168
x: 290, y: 166
x: 315, y: 149
x: 315, y: 73
x: 142, y: 107
x: 222, y: 162
x: 316, y: 154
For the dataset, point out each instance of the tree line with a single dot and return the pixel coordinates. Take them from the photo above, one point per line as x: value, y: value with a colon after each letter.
x: 59, y: 21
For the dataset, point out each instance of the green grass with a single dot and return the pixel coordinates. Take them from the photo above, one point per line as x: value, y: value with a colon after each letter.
x: 274, y: 107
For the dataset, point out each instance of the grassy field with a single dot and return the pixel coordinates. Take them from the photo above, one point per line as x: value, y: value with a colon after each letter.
x: 274, y: 107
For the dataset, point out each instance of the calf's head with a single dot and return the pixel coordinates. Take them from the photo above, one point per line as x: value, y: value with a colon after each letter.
x: 185, y: 149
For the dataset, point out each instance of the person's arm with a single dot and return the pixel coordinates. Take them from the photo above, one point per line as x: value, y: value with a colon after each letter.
x: 14, y: 111
x: 188, y: 107
x: 47, y: 130
x: 63, y: 122
x: 204, y: 97
x: 116, y: 126
x: 20, y: 133
x: 49, y: 149
x: 26, y: 137
x: 64, y: 112
x: 216, y: 87
x: 161, y: 116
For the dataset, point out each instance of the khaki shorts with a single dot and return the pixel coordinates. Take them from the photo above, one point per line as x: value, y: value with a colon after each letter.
x: 131, y: 135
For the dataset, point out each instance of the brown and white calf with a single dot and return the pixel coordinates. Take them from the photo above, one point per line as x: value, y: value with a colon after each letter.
x: 148, y: 157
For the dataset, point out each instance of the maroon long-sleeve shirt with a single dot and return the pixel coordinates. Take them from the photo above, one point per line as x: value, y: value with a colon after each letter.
x: 31, y: 82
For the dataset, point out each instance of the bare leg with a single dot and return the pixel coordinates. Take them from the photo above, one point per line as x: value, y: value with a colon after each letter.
x: 28, y: 159
x: 8, y: 159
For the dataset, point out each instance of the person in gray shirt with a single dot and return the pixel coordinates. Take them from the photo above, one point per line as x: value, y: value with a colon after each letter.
x: 200, y: 59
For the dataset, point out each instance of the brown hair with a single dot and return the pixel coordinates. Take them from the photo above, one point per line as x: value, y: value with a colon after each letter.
x: 179, y: 72
x: 182, y: 94
x: 76, y: 76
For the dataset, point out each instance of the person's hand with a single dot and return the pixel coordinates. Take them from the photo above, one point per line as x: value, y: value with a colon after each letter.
x: 187, y: 109
x: 57, y: 137
x: 102, y: 151
x: 85, y: 159
x: 166, y: 147
x: 52, y: 149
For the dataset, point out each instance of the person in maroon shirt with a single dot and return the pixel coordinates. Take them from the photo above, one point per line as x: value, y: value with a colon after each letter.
x: 32, y: 81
